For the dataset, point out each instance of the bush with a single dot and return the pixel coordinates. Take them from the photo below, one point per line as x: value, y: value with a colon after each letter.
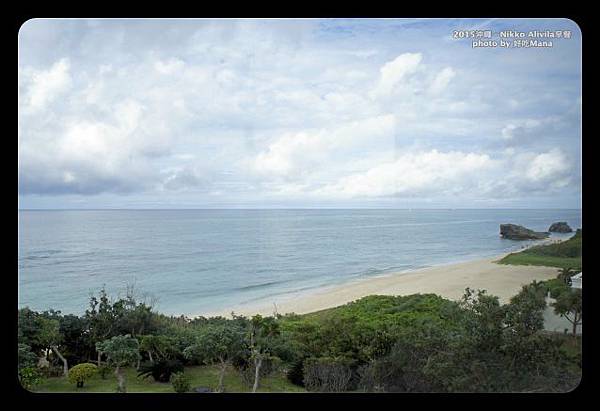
x: 556, y: 287
x: 82, y: 372
x: 181, y: 383
x: 27, y: 359
x: 295, y: 374
x: 162, y: 370
x: 29, y: 377
x: 327, y: 374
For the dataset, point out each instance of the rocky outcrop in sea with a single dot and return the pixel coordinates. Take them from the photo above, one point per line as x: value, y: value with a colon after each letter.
x: 518, y: 232
x: 560, y: 227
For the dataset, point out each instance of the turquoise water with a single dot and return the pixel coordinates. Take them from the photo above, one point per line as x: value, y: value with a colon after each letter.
x: 195, y: 261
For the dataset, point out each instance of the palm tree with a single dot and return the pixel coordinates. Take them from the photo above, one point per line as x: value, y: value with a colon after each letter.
x: 565, y: 274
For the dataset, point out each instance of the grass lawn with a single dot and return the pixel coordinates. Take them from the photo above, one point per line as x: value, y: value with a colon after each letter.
x: 566, y: 254
x: 204, y: 376
x: 524, y: 258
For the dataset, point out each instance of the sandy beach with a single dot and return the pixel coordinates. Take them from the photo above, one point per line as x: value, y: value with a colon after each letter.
x: 446, y: 280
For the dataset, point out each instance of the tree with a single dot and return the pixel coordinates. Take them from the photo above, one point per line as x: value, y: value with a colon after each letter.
x: 28, y: 329
x: 137, y: 318
x: 568, y: 305
x: 103, y: 318
x: 108, y: 318
x: 76, y: 347
x: 158, y: 347
x: 482, y: 319
x: 217, y: 343
x: 565, y: 275
x: 121, y: 351
x: 49, y: 336
x: 525, y: 313
x: 327, y: 374
x: 261, y: 338
x: 26, y: 357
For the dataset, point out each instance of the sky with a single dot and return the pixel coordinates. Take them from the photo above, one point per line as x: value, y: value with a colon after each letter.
x: 310, y: 113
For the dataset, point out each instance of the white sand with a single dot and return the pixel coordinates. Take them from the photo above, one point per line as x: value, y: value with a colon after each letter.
x: 448, y: 281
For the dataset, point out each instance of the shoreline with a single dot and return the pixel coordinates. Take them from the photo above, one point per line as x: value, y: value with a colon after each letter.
x: 448, y: 280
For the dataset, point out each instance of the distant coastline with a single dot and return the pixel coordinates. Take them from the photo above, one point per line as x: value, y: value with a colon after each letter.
x: 205, y: 261
x: 448, y: 280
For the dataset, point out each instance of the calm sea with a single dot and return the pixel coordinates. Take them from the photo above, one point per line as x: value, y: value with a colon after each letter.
x: 196, y: 261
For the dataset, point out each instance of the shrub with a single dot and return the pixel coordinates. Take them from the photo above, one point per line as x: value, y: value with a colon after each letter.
x: 27, y: 359
x: 295, y: 374
x: 161, y: 370
x: 556, y: 287
x: 327, y: 374
x: 181, y: 383
x: 82, y: 372
x: 29, y: 377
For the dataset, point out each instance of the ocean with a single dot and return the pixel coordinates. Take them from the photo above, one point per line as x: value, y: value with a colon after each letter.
x: 202, y: 261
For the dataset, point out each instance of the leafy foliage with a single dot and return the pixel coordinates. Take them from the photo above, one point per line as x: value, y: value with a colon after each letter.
x: 367, y: 328
x: 295, y: 373
x: 181, y: 382
x: 160, y: 347
x: 26, y: 358
x: 416, y: 343
x: 569, y: 305
x: 216, y: 343
x: 161, y: 370
x: 29, y: 377
x: 122, y: 350
x: 82, y: 372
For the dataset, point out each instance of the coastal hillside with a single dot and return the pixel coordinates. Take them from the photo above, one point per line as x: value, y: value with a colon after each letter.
x: 564, y: 254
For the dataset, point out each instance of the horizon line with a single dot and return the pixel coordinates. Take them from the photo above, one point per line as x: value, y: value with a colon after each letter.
x: 295, y: 208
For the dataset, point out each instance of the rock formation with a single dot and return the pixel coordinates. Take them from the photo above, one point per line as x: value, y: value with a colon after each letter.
x: 518, y: 232
x: 560, y: 227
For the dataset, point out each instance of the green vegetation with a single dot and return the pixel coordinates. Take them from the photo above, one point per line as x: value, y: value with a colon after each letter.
x: 199, y: 376
x: 566, y: 254
x: 122, y: 351
x: 415, y: 343
x: 217, y: 343
x: 327, y: 374
x: 161, y: 370
x: 79, y: 374
x: 568, y: 304
x: 181, y: 382
x: 29, y: 377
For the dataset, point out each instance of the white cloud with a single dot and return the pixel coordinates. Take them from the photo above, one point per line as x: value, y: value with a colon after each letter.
x: 547, y: 166
x: 169, y: 67
x: 289, y: 107
x: 394, y: 72
x: 302, y: 152
x: 47, y: 85
x: 441, y: 80
x: 524, y: 126
x: 411, y: 174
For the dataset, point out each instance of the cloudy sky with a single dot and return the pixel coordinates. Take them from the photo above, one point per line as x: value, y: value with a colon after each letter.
x: 295, y: 113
